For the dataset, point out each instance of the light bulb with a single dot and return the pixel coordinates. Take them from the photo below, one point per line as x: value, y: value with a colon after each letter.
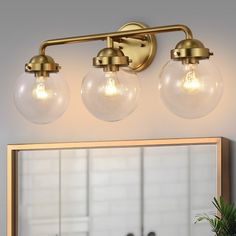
x: 112, y: 86
x: 110, y: 96
x: 41, y: 99
x: 40, y: 91
x: 190, y: 90
x: 190, y: 82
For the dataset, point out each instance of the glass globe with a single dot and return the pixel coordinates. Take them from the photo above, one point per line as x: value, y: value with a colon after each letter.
x: 190, y: 90
x: 41, y: 99
x: 110, y: 96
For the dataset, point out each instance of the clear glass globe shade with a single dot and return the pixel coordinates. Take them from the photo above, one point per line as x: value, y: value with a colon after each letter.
x: 43, y: 99
x: 110, y: 96
x: 190, y: 90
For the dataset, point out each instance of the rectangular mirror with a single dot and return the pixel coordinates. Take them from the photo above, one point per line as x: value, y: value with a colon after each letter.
x: 115, y: 188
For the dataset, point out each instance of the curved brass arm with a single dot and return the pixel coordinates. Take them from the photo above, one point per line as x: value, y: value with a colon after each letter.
x: 116, y: 35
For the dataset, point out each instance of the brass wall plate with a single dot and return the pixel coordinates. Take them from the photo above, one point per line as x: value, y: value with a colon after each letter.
x: 141, y: 50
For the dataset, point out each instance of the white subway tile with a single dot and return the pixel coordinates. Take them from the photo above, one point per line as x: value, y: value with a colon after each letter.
x: 152, y: 220
x: 165, y: 175
x: 39, y: 154
x: 76, y: 195
x: 203, y: 173
x: 101, y: 223
x: 108, y: 163
x: 113, y: 159
x: 166, y: 156
x: 105, y: 232
x: 108, y: 193
x: 203, y: 187
x: 73, y: 161
x: 152, y: 190
x: 39, y: 181
x: 73, y: 209
x: 100, y: 209
x: 69, y: 180
x: 125, y: 207
x: 125, y: 177
x: 174, y: 189
x: 40, y: 196
x: 99, y: 178
x: 74, y: 226
x: 37, y: 229
x: 175, y: 218
x: 201, y: 201
x: 165, y: 204
x: 42, y: 211
x: 170, y: 230
x: 43, y: 166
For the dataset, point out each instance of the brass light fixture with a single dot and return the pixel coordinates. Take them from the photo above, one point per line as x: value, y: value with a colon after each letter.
x: 189, y: 84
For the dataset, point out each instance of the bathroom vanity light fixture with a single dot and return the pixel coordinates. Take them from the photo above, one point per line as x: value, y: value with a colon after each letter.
x: 189, y: 84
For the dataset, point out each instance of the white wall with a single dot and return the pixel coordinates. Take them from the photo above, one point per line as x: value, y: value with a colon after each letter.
x: 24, y: 24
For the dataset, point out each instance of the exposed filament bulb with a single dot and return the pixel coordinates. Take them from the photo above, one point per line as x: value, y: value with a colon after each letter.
x: 40, y: 91
x: 191, y: 82
x: 111, y: 87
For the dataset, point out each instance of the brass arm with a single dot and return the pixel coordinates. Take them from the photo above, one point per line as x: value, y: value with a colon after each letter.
x: 116, y: 35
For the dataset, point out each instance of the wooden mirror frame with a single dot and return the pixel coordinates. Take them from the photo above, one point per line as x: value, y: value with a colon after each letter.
x: 222, y: 147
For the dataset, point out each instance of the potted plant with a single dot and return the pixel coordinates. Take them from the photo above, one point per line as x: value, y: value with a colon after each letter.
x: 224, y: 222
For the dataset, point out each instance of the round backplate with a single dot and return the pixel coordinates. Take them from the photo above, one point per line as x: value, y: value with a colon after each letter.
x: 140, y: 50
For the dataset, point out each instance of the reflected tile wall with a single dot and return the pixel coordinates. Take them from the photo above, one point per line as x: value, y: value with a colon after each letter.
x: 39, y: 193
x: 113, y: 192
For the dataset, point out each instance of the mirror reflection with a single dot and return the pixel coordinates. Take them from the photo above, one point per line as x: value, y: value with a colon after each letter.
x: 131, y: 191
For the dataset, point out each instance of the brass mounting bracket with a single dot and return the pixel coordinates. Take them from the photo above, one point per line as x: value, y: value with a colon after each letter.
x: 140, y: 49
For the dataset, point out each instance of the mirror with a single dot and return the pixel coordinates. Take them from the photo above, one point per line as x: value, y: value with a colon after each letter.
x: 120, y: 188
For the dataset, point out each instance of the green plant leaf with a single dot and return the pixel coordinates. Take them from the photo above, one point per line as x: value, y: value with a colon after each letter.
x: 223, y: 223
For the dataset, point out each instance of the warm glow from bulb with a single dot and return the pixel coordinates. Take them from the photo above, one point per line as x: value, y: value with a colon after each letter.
x: 40, y: 92
x: 191, y: 82
x: 111, y: 87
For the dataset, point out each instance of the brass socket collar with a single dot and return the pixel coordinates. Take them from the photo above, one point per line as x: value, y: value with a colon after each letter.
x: 42, y: 64
x: 110, y: 58
x: 190, y: 50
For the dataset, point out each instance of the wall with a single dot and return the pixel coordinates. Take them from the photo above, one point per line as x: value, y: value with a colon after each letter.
x: 24, y: 24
